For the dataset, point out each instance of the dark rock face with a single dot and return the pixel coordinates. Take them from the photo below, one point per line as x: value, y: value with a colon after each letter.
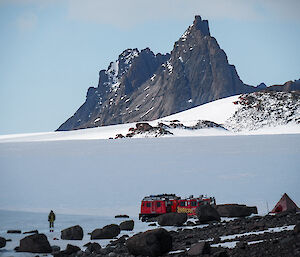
x: 37, y: 243
x: 206, y: 213
x: 127, y: 225
x: 2, y: 242
x: 235, y: 210
x: 143, y: 86
x: 150, y: 243
x: 72, y: 233
x: 107, y: 232
x: 172, y: 219
x: 286, y: 87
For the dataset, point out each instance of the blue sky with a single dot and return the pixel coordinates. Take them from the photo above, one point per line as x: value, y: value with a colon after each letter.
x: 52, y: 50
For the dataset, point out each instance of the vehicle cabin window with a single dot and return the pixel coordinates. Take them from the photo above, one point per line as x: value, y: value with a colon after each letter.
x: 158, y: 204
x: 193, y: 203
x: 143, y: 204
x: 148, y: 204
x: 182, y: 204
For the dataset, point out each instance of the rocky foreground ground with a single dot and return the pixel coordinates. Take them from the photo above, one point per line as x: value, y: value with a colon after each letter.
x: 270, y: 235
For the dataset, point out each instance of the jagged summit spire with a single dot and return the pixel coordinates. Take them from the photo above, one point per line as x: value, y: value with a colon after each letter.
x: 201, y: 25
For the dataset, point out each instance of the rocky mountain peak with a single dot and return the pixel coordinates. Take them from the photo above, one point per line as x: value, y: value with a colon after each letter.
x: 201, y: 25
x: 141, y: 85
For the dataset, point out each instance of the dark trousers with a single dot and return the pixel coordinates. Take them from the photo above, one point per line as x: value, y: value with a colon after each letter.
x: 51, y: 224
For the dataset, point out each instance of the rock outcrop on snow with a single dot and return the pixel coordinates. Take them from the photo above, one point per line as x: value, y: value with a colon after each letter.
x: 265, y: 109
x: 140, y: 85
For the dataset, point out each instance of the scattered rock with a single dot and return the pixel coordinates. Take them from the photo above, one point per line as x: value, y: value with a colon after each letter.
x: 2, y: 242
x: 71, y: 249
x: 14, y: 231
x: 127, y: 225
x: 221, y: 253
x: 72, y: 233
x: 235, y: 210
x: 198, y: 249
x: 206, y: 213
x: 37, y: 243
x: 122, y: 216
x: 55, y: 249
x: 93, y: 247
x: 31, y: 232
x: 107, y: 232
x: 150, y: 243
x: 120, y: 240
x: 172, y: 219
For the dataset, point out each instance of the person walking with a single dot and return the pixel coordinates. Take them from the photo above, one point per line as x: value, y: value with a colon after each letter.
x: 51, y: 219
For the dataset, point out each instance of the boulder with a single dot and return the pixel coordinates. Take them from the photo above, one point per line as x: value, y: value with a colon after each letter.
x: 2, y: 242
x: 107, y: 232
x: 70, y: 250
x: 93, y: 247
x: 235, y: 210
x: 55, y: 249
x: 36, y: 243
x: 172, y: 219
x: 119, y: 242
x: 297, y: 228
x: 143, y: 126
x: 198, y: 249
x: 150, y: 243
x: 127, y: 225
x: 72, y: 233
x: 206, y: 213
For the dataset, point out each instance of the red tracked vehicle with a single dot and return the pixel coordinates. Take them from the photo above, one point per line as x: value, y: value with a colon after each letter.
x: 155, y: 205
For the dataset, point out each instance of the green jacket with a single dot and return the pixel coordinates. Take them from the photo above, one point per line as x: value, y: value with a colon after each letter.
x: 51, y: 217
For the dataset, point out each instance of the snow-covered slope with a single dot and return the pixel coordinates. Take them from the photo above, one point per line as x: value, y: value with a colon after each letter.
x: 236, y: 117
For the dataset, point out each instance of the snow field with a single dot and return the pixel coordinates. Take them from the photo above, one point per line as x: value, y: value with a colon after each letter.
x: 109, y: 177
